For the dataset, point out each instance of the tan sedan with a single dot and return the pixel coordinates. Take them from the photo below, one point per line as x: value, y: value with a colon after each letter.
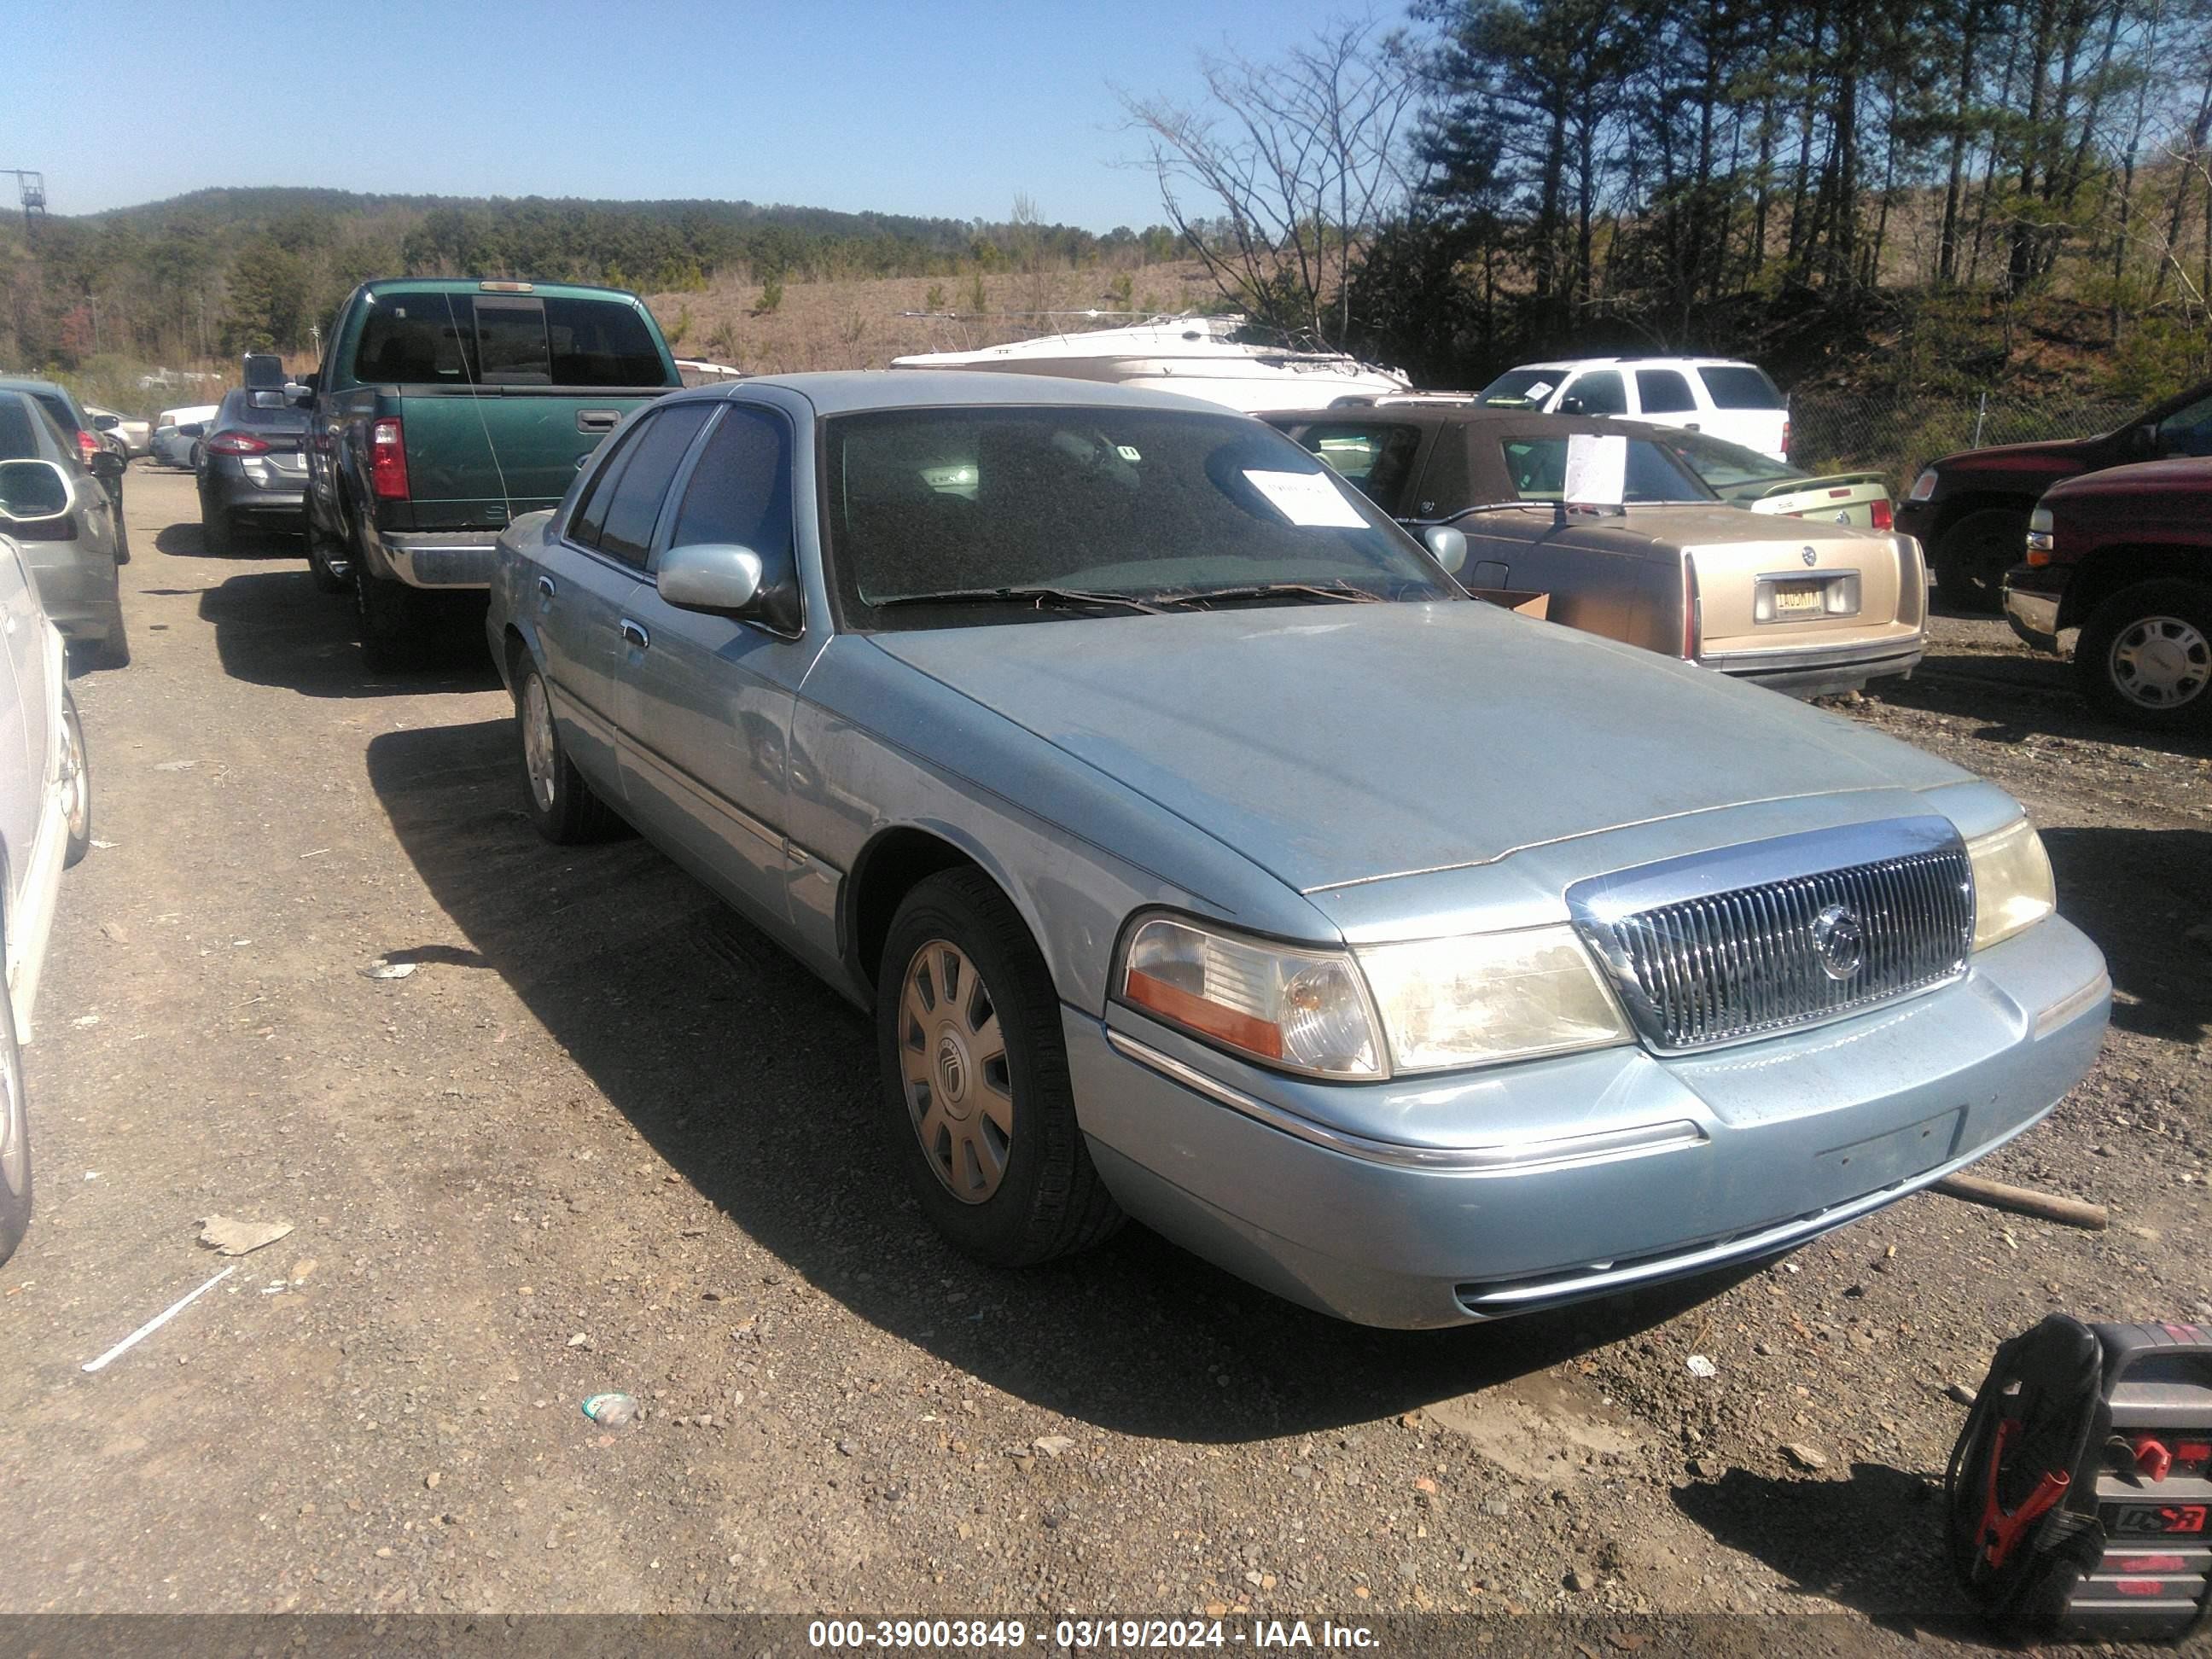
x: 1805, y: 606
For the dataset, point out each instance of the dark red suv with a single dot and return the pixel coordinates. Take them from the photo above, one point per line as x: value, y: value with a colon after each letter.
x: 1970, y: 510
x: 2125, y: 555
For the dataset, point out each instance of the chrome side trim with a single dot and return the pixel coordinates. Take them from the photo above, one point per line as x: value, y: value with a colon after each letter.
x: 2062, y: 1011
x: 1505, y: 1159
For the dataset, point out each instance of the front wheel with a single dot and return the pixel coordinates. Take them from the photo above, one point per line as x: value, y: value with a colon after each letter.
x: 977, y: 1102
x: 1971, y: 559
x: 76, y: 783
x: 2145, y: 655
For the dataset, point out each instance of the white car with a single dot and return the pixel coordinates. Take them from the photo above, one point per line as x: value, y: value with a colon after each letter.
x: 45, y: 814
x: 135, y: 436
x: 178, y: 431
x: 1727, y: 399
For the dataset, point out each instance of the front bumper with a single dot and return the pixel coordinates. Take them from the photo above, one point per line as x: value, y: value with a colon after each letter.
x: 457, y: 559
x: 1822, y: 671
x: 1530, y: 1185
x: 2033, y: 611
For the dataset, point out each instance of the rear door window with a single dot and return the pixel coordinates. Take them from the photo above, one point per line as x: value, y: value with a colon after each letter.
x: 1447, y: 486
x: 1740, y: 386
x: 1598, y: 393
x: 1538, y: 469
x: 634, y: 508
x: 1664, y: 391
x: 18, y: 439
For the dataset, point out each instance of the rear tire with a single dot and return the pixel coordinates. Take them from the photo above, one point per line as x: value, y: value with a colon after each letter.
x: 561, y: 804
x: 384, y: 615
x: 114, y: 651
x: 76, y: 783
x: 218, y: 536
x: 2145, y: 656
x: 331, y: 577
x: 14, y: 1136
x: 122, y: 540
x: 1975, y: 553
x: 977, y: 1101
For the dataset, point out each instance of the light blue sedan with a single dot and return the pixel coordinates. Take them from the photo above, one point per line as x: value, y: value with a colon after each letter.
x: 1205, y: 856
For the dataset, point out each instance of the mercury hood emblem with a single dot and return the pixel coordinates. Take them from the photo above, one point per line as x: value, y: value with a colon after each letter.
x: 1839, y: 940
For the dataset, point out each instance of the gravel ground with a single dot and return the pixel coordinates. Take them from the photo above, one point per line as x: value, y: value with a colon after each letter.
x: 605, y: 1137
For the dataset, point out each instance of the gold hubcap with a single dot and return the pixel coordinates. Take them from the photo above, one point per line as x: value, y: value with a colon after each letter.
x: 952, y: 1062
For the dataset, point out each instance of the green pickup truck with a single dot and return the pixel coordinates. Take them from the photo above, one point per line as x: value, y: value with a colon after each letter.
x: 444, y: 407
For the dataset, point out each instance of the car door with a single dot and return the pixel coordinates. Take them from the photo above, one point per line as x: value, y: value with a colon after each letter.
x: 596, y: 564
x: 706, y: 701
x: 27, y: 714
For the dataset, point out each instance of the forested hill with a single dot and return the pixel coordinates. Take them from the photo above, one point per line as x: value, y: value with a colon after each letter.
x: 222, y: 271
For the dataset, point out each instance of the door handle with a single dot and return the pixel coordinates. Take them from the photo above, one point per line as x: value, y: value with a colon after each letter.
x: 545, y: 587
x: 633, y: 633
x: 1692, y: 426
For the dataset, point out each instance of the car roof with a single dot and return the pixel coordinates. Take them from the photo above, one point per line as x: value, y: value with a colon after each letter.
x: 852, y: 391
x: 381, y: 285
x: 1637, y: 362
x: 43, y: 389
x: 1474, y: 414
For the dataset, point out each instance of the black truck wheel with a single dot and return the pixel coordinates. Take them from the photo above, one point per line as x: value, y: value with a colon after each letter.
x: 384, y: 613
x: 1971, y: 559
x: 331, y: 575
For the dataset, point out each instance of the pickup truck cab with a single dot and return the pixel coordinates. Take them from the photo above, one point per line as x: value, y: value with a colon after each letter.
x: 1970, y: 510
x: 2125, y: 555
x: 444, y: 408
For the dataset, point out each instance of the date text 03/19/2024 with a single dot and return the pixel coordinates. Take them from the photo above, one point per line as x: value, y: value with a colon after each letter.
x: 1086, y: 1635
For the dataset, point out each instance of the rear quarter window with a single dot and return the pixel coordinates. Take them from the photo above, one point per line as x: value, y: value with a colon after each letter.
x: 1740, y: 388
x: 19, y: 440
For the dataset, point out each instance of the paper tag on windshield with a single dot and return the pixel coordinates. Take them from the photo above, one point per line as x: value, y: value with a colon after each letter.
x: 1541, y: 389
x: 1310, y: 500
x: 1597, y: 470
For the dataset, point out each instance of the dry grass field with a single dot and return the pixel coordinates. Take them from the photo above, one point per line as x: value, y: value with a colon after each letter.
x: 861, y: 323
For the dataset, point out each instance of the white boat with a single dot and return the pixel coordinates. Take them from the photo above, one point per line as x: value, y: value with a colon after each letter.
x: 1198, y: 356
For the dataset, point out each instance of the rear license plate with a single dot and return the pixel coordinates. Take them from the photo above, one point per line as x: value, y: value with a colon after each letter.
x: 289, y: 463
x: 1800, y: 598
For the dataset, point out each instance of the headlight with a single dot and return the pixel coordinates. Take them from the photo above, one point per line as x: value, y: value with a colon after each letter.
x: 2040, y: 541
x: 1281, y: 1004
x: 1483, y: 997
x: 2012, y: 882
x: 1923, y: 486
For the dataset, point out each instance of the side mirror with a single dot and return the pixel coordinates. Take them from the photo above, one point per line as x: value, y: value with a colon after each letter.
x: 106, y: 465
x: 1446, y: 545
x: 270, y: 400
x: 299, y: 393
x: 32, y: 492
x: 105, y: 422
x: 715, y: 577
x: 1572, y: 406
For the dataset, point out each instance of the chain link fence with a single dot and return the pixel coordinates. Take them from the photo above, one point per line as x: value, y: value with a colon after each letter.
x: 1898, y: 433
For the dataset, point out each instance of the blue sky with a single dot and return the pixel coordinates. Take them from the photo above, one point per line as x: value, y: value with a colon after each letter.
x: 947, y: 108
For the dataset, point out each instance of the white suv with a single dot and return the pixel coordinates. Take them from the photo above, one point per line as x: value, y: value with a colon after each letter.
x: 1716, y: 395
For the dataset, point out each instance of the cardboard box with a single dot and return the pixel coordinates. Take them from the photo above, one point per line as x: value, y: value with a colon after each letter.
x: 1518, y: 600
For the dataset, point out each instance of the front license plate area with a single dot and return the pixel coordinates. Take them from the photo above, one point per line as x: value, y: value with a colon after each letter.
x: 1867, y: 1166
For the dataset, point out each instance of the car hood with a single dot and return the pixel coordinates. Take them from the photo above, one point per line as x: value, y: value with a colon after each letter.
x: 1338, y: 744
x: 2055, y: 456
x: 2172, y: 478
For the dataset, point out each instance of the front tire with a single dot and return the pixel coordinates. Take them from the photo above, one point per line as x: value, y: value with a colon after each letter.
x: 14, y: 1136
x: 2145, y: 656
x: 1975, y: 553
x: 76, y: 783
x: 562, y: 805
x: 977, y: 1101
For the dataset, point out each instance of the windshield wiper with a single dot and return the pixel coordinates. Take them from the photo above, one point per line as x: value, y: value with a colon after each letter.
x: 1040, y: 596
x: 1273, y: 590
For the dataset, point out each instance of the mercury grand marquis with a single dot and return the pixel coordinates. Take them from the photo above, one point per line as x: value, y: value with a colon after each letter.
x: 1206, y: 855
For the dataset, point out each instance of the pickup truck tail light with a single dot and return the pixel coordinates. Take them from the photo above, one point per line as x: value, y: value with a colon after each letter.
x: 235, y: 443
x: 387, y: 461
x: 1884, y: 515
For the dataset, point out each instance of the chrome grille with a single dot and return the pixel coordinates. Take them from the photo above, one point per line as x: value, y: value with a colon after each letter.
x: 1802, y: 945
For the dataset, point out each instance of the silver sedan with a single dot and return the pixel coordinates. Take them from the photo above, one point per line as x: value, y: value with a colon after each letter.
x: 1205, y: 855
x: 68, y: 528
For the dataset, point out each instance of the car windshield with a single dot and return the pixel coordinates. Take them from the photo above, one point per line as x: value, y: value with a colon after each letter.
x: 1027, y: 512
x: 1522, y: 388
x: 1730, y: 471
